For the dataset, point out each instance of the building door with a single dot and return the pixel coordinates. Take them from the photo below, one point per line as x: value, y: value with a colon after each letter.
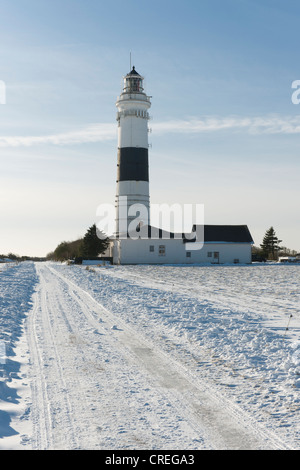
x: 216, y: 257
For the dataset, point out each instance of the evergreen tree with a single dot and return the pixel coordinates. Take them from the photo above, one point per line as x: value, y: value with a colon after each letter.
x: 94, y: 243
x: 270, y: 245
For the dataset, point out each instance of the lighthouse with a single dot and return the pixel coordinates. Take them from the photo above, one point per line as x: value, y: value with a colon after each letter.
x: 136, y: 241
x: 132, y: 195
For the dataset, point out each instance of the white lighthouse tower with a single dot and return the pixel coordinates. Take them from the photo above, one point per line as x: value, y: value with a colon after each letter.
x: 133, y: 167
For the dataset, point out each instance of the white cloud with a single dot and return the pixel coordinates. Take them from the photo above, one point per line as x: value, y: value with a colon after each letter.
x: 106, y: 131
x: 91, y: 133
x: 251, y: 125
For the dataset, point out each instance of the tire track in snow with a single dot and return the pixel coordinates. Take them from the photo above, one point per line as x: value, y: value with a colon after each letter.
x: 40, y: 345
x: 41, y: 416
x: 103, y: 403
x: 222, y: 424
x: 125, y: 339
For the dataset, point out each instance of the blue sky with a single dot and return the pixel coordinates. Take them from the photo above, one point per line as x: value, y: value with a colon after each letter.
x: 225, y: 132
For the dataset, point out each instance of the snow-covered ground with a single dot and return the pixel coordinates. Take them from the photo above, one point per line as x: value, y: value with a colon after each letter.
x: 150, y: 357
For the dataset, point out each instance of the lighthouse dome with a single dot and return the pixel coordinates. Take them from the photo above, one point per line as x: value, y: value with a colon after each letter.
x: 133, y: 72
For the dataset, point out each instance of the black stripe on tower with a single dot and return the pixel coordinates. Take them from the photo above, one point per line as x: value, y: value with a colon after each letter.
x: 133, y: 164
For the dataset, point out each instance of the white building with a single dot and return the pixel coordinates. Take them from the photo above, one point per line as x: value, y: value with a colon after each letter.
x: 213, y: 244
x: 222, y: 244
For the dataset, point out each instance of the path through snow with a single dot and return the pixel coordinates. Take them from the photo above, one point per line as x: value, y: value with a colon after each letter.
x: 138, y: 358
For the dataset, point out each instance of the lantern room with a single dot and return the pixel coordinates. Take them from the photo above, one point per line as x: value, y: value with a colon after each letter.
x: 133, y: 82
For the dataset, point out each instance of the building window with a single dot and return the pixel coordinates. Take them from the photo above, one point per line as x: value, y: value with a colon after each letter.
x: 188, y: 254
x: 162, y: 250
x: 209, y: 254
x: 151, y: 248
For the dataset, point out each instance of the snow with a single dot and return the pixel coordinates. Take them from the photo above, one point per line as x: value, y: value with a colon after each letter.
x: 149, y: 357
x: 17, y: 284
